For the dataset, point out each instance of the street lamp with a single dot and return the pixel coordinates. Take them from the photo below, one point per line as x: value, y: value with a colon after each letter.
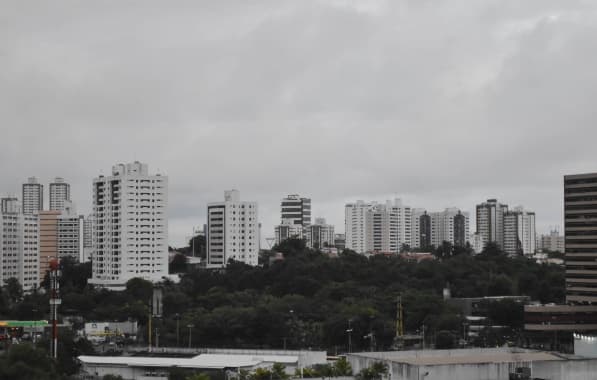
x: 177, y: 318
x: 349, y: 332
x: 190, y: 336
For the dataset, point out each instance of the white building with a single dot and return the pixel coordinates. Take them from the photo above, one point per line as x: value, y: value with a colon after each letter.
x: 355, y: 215
x: 288, y: 230
x: 320, y: 234
x: 476, y: 242
x: 373, y: 227
x: 554, y: 242
x: 232, y: 231
x: 59, y: 193
x: 87, y: 239
x: 19, y: 247
x: 519, y: 232
x: 451, y: 225
x: 490, y: 222
x: 130, y: 229
x: 33, y: 196
x: 415, y: 225
x: 70, y: 232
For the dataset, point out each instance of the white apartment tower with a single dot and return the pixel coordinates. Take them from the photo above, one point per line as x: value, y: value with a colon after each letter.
x: 19, y: 248
x: 490, y: 222
x: 59, y: 193
x: 519, y: 232
x: 130, y: 229
x: 355, y: 219
x: 288, y: 230
x: 33, y: 196
x: 232, y: 231
x: 374, y: 227
x: 415, y: 225
x: 450, y: 225
x: 320, y: 234
x: 70, y: 232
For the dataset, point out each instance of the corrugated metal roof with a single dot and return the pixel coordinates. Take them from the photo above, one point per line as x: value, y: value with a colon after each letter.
x: 206, y: 361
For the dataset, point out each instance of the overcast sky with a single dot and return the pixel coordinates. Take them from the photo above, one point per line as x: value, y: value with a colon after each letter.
x: 440, y: 103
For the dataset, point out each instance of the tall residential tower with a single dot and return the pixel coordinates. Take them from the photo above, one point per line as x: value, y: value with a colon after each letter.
x: 33, y: 196
x: 130, y: 229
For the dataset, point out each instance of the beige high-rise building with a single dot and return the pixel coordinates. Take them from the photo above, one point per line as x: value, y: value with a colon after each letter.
x: 48, y: 240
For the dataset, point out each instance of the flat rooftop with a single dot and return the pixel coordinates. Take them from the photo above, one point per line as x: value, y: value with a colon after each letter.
x: 463, y: 356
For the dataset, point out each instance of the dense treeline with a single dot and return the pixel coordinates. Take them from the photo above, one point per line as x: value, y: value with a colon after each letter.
x: 307, y: 299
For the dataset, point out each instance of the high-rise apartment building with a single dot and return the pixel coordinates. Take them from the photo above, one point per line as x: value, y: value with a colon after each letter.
x: 374, y: 227
x: 490, y: 222
x: 19, y: 248
x: 87, y: 239
x: 59, y: 193
x: 296, y: 209
x: 48, y: 240
x: 232, y: 231
x: 450, y: 225
x: 580, y: 226
x: 70, y: 232
x: 130, y: 226
x: 519, y: 232
x: 415, y: 226
x: 553, y: 242
x: 424, y: 231
x: 288, y: 230
x: 33, y: 196
x: 10, y: 205
x: 320, y: 234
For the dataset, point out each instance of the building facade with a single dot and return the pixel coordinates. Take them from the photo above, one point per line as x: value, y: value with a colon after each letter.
x: 490, y: 222
x: 450, y: 225
x: 232, y: 231
x: 288, y: 230
x: 70, y: 230
x: 320, y: 234
x: 48, y: 240
x: 377, y: 228
x: 519, y: 232
x: 580, y: 226
x: 59, y: 193
x: 130, y: 229
x: 19, y: 244
x: 33, y: 196
x: 553, y: 242
x: 415, y: 226
x: 296, y: 209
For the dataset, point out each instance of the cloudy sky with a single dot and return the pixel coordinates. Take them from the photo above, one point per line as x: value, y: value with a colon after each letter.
x: 440, y: 103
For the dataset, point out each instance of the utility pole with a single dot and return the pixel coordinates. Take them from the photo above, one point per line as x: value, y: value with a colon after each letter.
x: 177, y: 317
x: 190, y: 336
x: 349, y: 332
x: 54, y: 302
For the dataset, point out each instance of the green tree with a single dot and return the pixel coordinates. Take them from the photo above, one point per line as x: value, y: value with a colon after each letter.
x: 25, y: 362
x: 198, y: 376
x: 374, y: 372
x: 342, y: 367
x: 445, y: 340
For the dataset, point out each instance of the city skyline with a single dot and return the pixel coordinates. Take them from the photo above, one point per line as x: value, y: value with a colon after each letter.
x: 443, y: 106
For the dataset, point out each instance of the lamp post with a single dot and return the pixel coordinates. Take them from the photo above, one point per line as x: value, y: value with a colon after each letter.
x: 349, y: 332
x: 190, y: 326
x: 177, y: 318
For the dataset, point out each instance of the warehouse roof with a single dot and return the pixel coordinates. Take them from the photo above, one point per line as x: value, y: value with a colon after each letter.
x: 205, y: 361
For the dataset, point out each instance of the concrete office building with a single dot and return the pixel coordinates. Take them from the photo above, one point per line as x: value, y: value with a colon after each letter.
x: 59, y: 193
x: 232, y: 231
x: 33, y: 196
x: 580, y: 226
x: 320, y: 234
x: 296, y: 209
x: 130, y: 229
x: 19, y: 242
x: 451, y: 225
x: 490, y: 222
x: 519, y: 232
x: 377, y: 228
